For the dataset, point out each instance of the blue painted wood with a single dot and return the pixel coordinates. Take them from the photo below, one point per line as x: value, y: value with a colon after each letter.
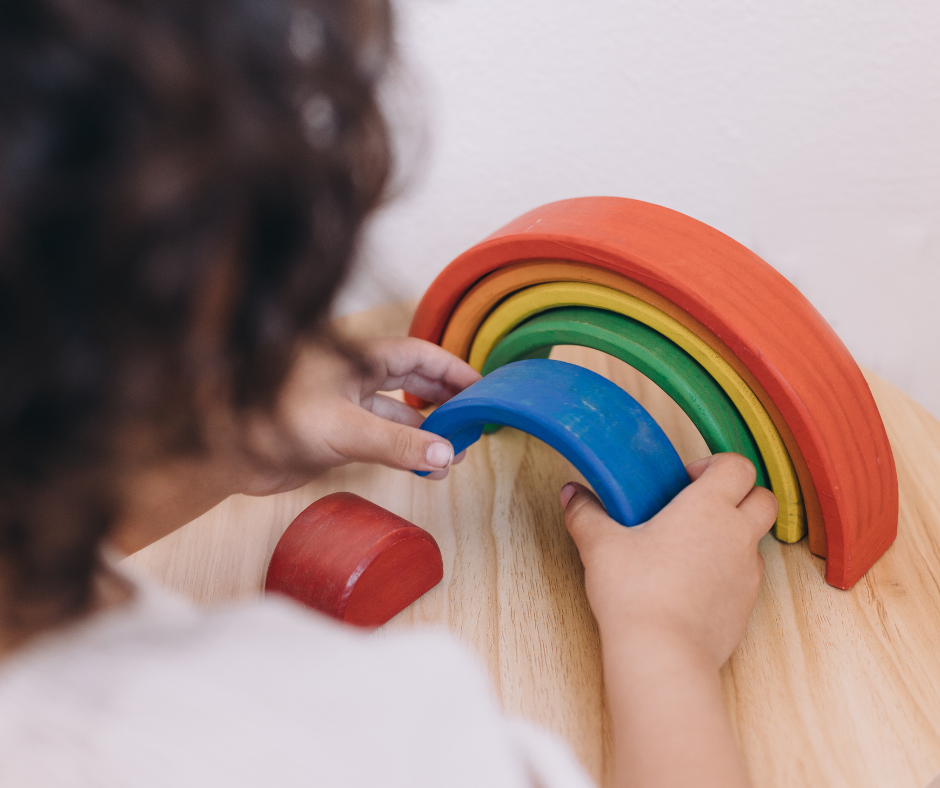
x: 605, y: 433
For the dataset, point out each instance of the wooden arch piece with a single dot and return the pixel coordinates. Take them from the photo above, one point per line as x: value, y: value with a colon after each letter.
x: 766, y: 322
x: 352, y: 560
x: 605, y: 433
x: 679, y: 375
x: 492, y: 289
x: 791, y: 519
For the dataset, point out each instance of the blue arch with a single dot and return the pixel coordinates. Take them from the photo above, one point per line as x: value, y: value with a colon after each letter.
x: 605, y: 433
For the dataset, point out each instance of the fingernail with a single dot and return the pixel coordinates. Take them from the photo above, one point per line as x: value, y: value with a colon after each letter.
x: 566, y: 492
x: 439, y: 455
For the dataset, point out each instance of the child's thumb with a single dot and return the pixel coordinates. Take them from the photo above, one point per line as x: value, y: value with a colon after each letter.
x: 374, y: 439
x: 585, y: 516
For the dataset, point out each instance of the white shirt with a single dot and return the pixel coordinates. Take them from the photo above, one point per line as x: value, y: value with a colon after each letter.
x: 160, y: 693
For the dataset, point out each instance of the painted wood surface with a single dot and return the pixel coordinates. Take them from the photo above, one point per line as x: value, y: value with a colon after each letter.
x: 488, y: 292
x: 354, y: 561
x: 662, y: 361
x: 829, y: 688
x: 604, y: 432
x: 792, y: 351
x: 791, y: 517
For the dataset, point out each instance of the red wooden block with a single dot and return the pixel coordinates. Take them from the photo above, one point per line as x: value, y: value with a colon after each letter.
x: 355, y: 561
x: 766, y: 322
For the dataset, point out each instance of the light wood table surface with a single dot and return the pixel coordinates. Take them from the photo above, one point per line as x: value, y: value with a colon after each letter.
x: 828, y: 687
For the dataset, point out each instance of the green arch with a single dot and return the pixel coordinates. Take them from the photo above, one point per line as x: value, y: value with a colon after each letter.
x: 661, y: 360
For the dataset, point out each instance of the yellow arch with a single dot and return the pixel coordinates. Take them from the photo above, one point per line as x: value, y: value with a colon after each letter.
x: 791, y: 519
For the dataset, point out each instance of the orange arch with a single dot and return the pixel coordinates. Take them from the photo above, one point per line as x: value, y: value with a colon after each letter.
x: 767, y: 324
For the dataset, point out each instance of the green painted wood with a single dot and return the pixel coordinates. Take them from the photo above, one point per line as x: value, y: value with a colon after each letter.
x: 661, y: 360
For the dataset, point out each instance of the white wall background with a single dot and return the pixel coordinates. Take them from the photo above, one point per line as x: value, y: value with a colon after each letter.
x: 809, y: 131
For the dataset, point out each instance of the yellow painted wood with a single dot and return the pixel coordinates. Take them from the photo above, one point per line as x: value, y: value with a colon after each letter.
x: 791, y: 520
x: 828, y: 688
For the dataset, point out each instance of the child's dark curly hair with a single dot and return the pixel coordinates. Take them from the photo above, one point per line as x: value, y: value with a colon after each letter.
x: 182, y: 183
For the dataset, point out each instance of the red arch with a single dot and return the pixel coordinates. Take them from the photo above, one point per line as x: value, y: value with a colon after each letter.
x: 788, y: 346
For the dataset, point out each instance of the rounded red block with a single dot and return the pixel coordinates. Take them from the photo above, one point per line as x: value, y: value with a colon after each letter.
x: 355, y: 561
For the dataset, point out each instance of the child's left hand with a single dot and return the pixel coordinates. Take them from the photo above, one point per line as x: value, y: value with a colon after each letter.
x: 329, y: 414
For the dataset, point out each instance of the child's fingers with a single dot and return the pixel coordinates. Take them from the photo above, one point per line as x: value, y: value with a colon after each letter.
x: 697, y: 468
x: 760, y: 506
x: 395, y: 410
x: 366, y: 437
x: 427, y: 389
x: 421, y: 368
x: 585, y: 516
x: 726, y: 477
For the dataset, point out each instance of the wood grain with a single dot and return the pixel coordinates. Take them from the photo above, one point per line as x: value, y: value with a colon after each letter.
x: 762, y: 318
x: 829, y: 688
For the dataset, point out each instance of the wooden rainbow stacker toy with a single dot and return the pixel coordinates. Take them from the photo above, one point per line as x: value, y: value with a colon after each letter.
x: 689, y: 304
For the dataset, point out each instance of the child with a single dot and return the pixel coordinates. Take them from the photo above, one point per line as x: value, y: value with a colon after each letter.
x: 182, y: 184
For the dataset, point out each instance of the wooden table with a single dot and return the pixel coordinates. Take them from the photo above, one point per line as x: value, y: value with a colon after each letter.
x: 828, y: 687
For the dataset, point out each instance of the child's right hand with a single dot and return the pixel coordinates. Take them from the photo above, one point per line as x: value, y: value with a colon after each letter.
x: 689, y: 575
x: 672, y: 598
